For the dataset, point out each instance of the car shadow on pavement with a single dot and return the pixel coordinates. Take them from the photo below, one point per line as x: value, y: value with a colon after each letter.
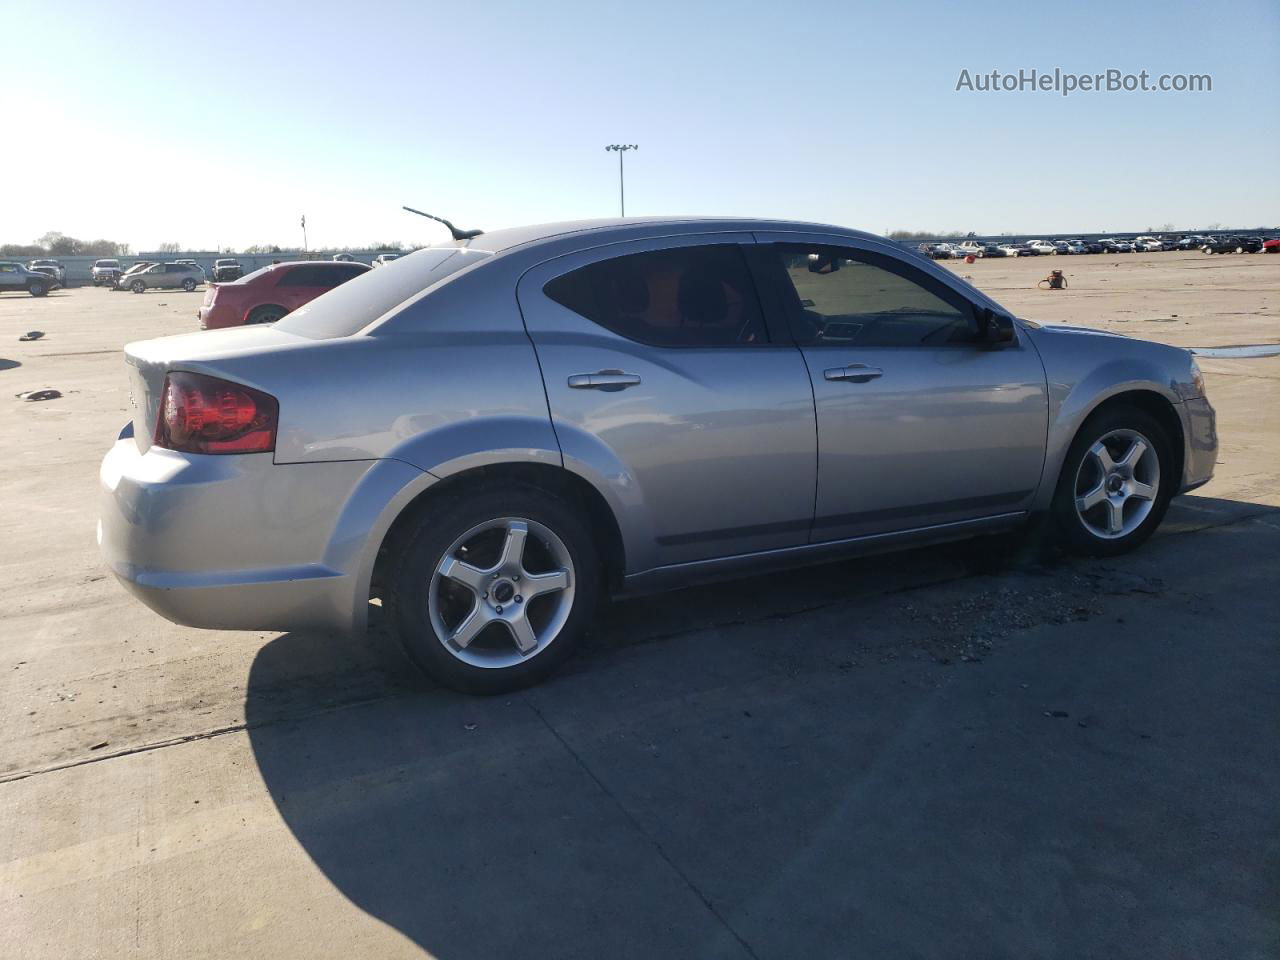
x: 794, y: 775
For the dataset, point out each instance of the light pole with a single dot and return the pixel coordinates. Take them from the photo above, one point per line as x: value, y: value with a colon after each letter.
x: 622, y: 188
x: 304, y: 233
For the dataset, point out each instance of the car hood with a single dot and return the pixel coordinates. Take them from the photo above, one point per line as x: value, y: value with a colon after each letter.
x: 1087, y: 331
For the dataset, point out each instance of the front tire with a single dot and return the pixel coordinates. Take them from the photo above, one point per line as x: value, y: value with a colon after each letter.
x: 1116, y: 483
x: 492, y: 590
x: 37, y: 289
x: 138, y: 286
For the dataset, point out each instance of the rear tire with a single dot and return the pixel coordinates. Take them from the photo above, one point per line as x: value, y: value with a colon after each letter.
x: 469, y: 531
x: 1104, y: 507
x: 188, y: 285
x: 268, y: 313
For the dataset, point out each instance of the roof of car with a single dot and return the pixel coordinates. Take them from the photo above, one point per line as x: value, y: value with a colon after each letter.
x: 637, y: 227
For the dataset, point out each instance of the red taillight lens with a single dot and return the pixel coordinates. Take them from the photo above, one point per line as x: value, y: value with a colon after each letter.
x: 200, y: 414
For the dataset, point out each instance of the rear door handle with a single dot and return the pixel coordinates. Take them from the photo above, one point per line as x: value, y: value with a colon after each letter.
x: 603, y: 380
x: 854, y: 372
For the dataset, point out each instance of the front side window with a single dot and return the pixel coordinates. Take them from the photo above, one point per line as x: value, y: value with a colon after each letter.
x: 684, y: 297
x: 854, y: 298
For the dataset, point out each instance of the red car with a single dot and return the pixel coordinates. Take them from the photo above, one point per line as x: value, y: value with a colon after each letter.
x: 1271, y: 246
x: 266, y: 295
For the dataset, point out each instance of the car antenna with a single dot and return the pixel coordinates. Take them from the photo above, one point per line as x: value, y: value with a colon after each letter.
x: 457, y: 234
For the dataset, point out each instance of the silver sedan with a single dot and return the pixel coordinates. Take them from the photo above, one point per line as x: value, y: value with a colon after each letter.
x: 484, y: 437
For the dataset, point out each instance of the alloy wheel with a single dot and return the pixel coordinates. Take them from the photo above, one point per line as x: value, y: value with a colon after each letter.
x: 1117, y: 484
x: 502, y: 592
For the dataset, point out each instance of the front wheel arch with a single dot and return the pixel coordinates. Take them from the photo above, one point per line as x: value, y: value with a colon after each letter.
x: 1158, y: 407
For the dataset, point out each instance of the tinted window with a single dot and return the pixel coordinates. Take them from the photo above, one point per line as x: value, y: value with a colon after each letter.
x: 311, y: 276
x: 687, y: 297
x: 349, y: 308
x: 848, y: 297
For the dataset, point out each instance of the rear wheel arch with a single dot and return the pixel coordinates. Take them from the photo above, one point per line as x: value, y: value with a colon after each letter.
x: 260, y: 309
x: 568, y: 486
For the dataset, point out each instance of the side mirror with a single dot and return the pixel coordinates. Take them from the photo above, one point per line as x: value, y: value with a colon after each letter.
x: 994, y: 329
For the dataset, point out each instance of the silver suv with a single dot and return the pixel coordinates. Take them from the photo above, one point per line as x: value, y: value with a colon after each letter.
x: 164, y: 276
x: 486, y: 436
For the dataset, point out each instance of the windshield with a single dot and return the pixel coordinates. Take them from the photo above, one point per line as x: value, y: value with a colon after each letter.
x: 347, y: 309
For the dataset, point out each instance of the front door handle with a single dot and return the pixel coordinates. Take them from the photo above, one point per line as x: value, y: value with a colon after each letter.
x: 603, y: 380
x: 854, y: 372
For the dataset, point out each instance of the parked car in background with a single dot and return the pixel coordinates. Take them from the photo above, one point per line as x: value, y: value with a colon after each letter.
x: 122, y: 281
x: 164, y: 276
x: 1061, y: 247
x: 196, y: 264
x: 1271, y: 245
x: 50, y: 272
x: 344, y: 258
x: 105, y: 272
x: 972, y: 248
x: 1147, y: 245
x: 1076, y: 247
x: 1016, y: 250
x: 50, y: 268
x: 266, y: 295
x: 384, y: 258
x: 994, y: 250
x: 15, y: 277
x: 226, y: 270
x: 489, y: 434
x: 1042, y: 248
x: 1118, y: 246
x: 1233, y: 245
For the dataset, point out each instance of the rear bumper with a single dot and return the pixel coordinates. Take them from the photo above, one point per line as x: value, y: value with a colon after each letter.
x: 243, y: 543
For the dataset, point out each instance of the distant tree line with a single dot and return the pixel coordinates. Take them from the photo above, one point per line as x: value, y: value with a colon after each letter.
x: 54, y: 244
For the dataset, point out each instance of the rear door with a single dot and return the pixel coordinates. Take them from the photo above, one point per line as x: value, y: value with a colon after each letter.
x: 919, y: 424
x: 668, y: 389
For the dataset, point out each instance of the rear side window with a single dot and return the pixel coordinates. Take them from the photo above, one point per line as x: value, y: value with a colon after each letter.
x: 306, y: 277
x: 349, y: 308
x: 685, y: 297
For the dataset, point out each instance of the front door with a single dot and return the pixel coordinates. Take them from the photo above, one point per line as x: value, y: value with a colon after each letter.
x: 919, y: 424
x: 669, y: 391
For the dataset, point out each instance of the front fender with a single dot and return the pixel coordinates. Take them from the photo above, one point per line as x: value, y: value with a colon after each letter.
x: 1072, y: 400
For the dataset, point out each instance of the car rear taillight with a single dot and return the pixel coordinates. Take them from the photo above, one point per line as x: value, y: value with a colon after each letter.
x: 200, y: 414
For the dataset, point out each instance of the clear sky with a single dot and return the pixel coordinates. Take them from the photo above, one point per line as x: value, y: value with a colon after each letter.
x: 220, y: 123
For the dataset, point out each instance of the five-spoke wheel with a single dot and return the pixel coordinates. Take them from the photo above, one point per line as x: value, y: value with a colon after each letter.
x: 1116, y: 482
x: 501, y: 592
x: 491, y: 590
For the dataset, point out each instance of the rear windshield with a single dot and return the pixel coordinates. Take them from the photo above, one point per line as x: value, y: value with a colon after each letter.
x: 347, y: 309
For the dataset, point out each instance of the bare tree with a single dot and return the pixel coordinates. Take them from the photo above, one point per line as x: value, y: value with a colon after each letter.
x: 169, y: 246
